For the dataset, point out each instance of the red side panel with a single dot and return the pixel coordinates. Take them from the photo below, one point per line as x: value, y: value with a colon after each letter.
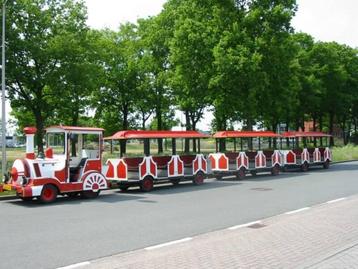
x: 93, y: 165
x: 223, y: 162
x: 61, y: 175
x: 152, y: 168
x: 196, y: 164
x: 110, y: 171
x: 290, y: 158
x: 171, y: 167
x: 180, y: 167
x: 143, y: 169
x: 203, y: 164
x: 213, y: 162
x: 121, y: 170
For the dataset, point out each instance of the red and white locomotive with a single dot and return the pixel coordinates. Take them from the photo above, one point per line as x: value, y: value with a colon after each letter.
x: 71, y: 165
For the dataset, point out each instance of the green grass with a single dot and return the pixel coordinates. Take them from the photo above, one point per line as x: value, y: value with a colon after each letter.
x: 5, y: 193
x: 346, y: 153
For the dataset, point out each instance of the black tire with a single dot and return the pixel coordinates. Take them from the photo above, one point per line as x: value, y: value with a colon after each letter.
x: 199, y: 179
x: 48, y: 194
x: 275, y: 171
x: 90, y: 194
x: 326, y: 164
x: 304, y: 167
x: 241, y: 174
x: 147, y: 184
x: 175, y: 181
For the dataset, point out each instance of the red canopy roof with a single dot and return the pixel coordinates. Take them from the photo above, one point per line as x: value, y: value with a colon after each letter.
x: 133, y: 134
x: 304, y: 134
x: 76, y: 128
x: 243, y: 134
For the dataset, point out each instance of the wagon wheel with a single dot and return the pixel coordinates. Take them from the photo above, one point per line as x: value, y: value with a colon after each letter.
x: 175, y: 181
x: 326, y: 164
x: 241, y: 174
x: 304, y: 167
x: 48, y: 194
x: 199, y: 178
x: 147, y: 184
x: 275, y: 170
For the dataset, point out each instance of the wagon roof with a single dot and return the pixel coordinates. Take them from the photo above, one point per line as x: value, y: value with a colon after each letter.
x: 305, y: 134
x: 73, y: 129
x: 243, y: 134
x: 133, y: 134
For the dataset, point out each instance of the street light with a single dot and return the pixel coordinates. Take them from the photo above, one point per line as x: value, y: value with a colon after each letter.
x: 3, y: 124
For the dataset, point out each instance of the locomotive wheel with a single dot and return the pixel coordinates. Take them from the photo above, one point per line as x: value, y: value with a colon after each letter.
x: 275, y: 170
x: 304, y: 167
x: 199, y: 179
x: 48, y: 194
x: 175, y: 181
x: 146, y: 184
x: 90, y: 194
x: 326, y: 164
x: 241, y: 174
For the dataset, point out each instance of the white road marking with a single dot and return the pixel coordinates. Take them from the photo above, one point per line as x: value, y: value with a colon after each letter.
x: 244, y: 225
x: 297, y: 211
x: 76, y: 265
x: 336, y: 200
x: 169, y: 243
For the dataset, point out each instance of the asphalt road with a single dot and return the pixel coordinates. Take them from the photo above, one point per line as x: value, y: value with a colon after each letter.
x: 74, y: 230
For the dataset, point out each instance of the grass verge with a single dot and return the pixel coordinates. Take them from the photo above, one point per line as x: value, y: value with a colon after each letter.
x: 346, y: 153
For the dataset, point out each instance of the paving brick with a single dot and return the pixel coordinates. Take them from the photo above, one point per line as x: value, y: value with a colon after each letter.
x: 323, y: 237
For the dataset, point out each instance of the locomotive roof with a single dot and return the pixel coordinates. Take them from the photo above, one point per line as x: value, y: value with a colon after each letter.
x: 133, y: 134
x: 75, y: 129
x: 305, y: 134
x: 243, y: 134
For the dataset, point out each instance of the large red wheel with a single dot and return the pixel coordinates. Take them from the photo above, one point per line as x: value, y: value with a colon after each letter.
x: 275, y: 170
x: 147, y: 184
x: 199, y: 178
x: 48, y: 194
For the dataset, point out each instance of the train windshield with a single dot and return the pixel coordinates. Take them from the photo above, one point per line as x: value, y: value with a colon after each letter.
x: 56, y: 141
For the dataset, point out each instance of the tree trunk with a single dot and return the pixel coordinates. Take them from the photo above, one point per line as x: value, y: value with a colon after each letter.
x: 125, y: 125
x: 331, y: 119
x: 160, y: 127
x: 188, y: 127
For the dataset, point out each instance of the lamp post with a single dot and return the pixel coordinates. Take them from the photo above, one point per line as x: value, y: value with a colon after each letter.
x: 3, y: 111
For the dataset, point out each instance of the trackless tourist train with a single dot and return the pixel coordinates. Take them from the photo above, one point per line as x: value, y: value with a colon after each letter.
x: 72, y: 163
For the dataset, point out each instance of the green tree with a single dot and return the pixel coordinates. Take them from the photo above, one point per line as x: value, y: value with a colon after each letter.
x: 33, y: 29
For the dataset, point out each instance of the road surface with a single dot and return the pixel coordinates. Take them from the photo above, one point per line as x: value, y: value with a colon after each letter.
x: 74, y: 230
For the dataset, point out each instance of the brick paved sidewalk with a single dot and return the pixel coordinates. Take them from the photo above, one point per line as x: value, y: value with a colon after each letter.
x: 324, y: 236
